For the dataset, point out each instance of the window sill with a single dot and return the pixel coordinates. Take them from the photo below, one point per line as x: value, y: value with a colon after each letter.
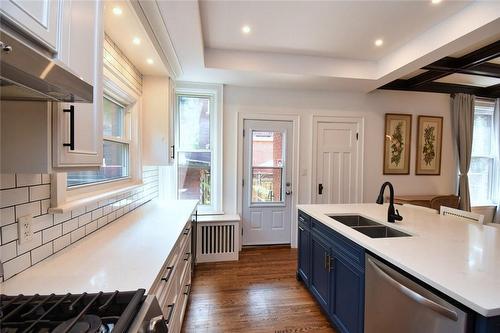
x: 93, y: 197
x: 484, y: 205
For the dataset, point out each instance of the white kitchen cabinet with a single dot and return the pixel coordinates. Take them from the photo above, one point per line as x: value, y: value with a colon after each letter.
x: 77, y: 142
x: 158, y: 100
x: 38, y: 19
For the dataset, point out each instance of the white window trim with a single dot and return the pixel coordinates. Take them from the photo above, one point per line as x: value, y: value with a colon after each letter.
x: 64, y: 199
x: 484, y: 107
x: 215, y: 91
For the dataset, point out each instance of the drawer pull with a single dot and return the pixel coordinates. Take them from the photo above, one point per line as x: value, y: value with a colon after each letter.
x: 301, y: 219
x: 188, y: 254
x: 188, y: 289
x: 170, y: 313
x: 167, y: 277
x: 300, y: 228
x: 186, y: 231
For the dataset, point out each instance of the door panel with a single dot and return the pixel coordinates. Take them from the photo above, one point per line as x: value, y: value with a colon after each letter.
x: 38, y: 18
x: 347, y: 296
x: 267, y: 178
x: 320, y: 276
x: 83, y: 52
x: 337, y: 162
x: 304, y: 239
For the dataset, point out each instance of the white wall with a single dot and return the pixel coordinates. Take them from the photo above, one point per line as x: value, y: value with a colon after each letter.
x: 371, y: 107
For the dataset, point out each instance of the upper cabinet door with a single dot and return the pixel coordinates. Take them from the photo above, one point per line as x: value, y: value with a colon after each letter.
x: 78, y: 140
x: 36, y: 18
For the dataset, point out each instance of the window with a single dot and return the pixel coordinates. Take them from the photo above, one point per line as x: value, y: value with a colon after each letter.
x: 482, y: 168
x: 267, y: 167
x: 197, y: 149
x: 116, y: 148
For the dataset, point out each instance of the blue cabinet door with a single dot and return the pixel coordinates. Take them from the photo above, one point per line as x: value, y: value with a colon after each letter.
x: 347, y: 295
x: 304, y: 254
x: 320, y: 275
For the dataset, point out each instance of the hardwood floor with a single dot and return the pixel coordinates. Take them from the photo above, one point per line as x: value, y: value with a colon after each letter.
x: 258, y: 293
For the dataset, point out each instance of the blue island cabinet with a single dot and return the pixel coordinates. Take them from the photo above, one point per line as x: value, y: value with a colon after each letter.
x: 332, y: 267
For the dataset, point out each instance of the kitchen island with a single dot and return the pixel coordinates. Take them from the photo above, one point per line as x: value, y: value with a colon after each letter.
x: 459, y: 260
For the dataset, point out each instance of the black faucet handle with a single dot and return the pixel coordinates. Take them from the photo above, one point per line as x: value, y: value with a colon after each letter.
x: 398, y: 217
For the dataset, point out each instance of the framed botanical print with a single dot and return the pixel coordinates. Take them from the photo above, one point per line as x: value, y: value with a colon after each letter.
x: 429, y: 144
x: 397, y: 144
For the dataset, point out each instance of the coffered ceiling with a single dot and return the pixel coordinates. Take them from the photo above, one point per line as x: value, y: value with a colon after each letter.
x: 328, y: 45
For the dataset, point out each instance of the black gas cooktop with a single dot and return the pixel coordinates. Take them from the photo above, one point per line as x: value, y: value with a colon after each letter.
x: 100, y: 312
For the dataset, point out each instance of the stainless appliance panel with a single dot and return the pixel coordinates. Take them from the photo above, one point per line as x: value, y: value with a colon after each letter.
x: 26, y: 74
x: 394, y: 304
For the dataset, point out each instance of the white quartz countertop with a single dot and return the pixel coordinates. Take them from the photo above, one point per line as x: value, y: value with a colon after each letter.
x: 460, y: 259
x: 124, y: 255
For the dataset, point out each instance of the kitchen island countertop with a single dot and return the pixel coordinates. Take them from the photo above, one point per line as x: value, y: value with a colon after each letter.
x: 460, y: 259
x: 124, y: 255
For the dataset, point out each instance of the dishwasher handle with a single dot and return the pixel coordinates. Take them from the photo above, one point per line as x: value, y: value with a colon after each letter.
x: 414, y: 295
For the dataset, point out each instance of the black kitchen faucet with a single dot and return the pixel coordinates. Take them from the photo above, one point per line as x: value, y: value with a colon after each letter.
x: 392, y: 215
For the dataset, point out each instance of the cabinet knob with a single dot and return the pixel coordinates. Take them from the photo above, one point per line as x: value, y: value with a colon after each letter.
x: 5, y: 48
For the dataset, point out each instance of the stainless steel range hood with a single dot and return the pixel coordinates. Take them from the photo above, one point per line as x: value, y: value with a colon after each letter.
x: 26, y: 74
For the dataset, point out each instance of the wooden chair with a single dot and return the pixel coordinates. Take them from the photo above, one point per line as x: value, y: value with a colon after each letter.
x: 451, y: 201
x: 461, y: 214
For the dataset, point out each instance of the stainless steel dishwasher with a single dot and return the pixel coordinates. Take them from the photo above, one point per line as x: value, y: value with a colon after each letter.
x: 396, y: 304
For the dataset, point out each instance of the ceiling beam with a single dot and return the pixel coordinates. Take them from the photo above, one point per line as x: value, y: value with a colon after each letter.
x: 485, y: 69
x: 465, y: 62
x: 445, y: 88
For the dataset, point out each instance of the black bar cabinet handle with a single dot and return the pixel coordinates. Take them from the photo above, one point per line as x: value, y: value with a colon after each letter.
x: 169, y: 317
x: 71, y: 143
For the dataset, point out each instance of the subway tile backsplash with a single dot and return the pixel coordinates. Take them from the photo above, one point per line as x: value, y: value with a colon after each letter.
x: 23, y: 194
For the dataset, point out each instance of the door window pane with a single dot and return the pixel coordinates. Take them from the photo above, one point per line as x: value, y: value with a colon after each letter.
x: 267, y: 149
x: 267, y: 184
x: 114, y: 166
x: 267, y: 166
x: 113, y: 119
x: 194, y: 122
x: 194, y: 177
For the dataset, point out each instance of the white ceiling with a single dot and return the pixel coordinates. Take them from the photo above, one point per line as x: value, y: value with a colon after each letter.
x: 339, y: 29
x: 122, y: 29
x: 325, y: 45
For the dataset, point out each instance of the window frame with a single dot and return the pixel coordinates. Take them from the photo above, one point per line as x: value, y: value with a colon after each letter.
x: 487, y: 107
x: 214, y: 93
x: 63, y: 196
x: 127, y: 139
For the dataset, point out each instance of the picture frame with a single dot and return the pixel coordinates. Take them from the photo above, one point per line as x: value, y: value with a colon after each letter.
x: 429, y: 145
x: 397, y: 144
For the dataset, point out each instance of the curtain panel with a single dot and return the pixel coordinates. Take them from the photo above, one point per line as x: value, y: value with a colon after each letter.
x: 462, y: 114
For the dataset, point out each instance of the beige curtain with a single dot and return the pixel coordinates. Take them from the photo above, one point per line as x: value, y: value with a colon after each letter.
x: 462, y: 114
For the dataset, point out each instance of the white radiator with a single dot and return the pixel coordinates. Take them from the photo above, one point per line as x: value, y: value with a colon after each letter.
x: 217, y: 240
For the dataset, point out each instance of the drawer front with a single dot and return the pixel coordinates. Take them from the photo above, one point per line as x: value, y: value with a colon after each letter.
x: 182, y: 300
x: 304, y: 219
x: 342, y: 246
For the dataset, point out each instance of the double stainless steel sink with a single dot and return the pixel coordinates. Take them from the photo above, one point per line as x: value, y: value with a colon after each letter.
x: 368, y: 227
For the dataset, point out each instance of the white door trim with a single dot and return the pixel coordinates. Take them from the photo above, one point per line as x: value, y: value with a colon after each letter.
x: 337, y: 119
x: 295, y: 119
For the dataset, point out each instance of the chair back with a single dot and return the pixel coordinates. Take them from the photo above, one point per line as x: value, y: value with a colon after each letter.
x: 451, y: 201
x: 461, y: 214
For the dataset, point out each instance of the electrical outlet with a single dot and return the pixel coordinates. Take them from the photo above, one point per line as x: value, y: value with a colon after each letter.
x: 25, y: 229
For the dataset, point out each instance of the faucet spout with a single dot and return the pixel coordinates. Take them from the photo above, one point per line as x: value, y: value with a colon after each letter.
x: 392, y: 214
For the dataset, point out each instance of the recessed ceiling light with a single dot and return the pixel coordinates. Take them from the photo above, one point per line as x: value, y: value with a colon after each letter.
x: 246, y: 29
x: 379, y: 42
x: 149, y: 61
x: 136, y: 40
x: 117, y: 11
x: 435, y: 2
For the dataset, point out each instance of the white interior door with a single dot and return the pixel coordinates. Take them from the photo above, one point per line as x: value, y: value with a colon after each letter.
x: 267, y: 182
x: 338, y: 177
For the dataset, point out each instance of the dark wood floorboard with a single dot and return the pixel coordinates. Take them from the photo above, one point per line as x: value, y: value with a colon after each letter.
x: 258, y: 293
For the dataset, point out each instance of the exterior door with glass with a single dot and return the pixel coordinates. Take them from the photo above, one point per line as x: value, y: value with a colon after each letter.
x: 267, y: 181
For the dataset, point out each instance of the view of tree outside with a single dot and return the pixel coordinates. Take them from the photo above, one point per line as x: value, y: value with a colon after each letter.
x: 194, y: 149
